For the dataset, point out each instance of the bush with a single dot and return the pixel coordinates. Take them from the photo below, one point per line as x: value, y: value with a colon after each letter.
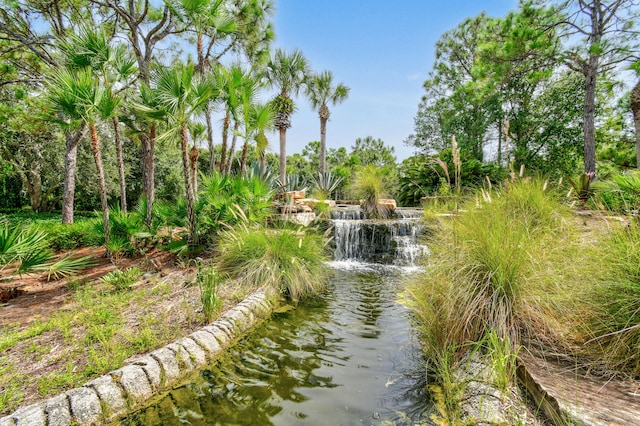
x: 491, y: 270
x: 228, y: 200
x: 122, y: 280
x: 82, y: 233
x: 288, y: 260
x: 369, y: 185
x: 608, y: 332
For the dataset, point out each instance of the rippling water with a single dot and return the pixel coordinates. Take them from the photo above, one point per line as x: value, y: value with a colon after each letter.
x: 349, y: 357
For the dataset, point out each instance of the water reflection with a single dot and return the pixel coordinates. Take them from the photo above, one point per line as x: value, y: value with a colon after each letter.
x: 348, y: 357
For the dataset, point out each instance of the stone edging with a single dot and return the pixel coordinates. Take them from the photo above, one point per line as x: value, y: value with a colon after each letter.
x: 119, y: 392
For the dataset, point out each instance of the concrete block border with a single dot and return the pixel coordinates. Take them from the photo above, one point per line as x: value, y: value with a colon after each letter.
x: 113, y: 395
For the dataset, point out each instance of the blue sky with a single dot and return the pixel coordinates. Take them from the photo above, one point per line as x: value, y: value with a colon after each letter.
x: 381, y: 49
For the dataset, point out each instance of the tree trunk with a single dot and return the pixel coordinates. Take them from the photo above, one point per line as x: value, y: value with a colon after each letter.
x: 212, y: 156
x: 123, y: 183
x: 243, y: 160
x: 635, y: 109
x: 500, y: 143
x: 323, y: 145
x: 236, y: 125
x: 184, y: 144
x: 148, y: 169
x: 70, y: 159
x: 283, y: 156
x: 97, y: 156
x: 589, y: 115
x: 225, y: 136
x: 193, y: 160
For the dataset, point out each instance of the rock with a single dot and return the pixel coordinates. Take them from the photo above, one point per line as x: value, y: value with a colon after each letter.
x: 110, y: 395
x: 304, y: 219
x: 152, y: 368
x: 58, y: 411
x: 31, y: 415
x: 387, y: 203
x: 169, y: 363
x: 134, y: 381
x: 85, y: 405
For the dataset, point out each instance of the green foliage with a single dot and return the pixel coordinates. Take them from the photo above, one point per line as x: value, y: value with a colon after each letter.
x: 326, y: 183
x: 209, y: 282
x: 422, y: 175
x: 288, y: 260
x: 490, y: 267
x: 618, y: 192
x: 228, y: 200
x: 122, y: 280
x: 83, y: 232
x: 609, y: 334
x: 370, y: 185
x: 582, y: 186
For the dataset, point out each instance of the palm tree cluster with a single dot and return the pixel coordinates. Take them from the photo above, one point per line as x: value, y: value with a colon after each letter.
x: 99, y: 70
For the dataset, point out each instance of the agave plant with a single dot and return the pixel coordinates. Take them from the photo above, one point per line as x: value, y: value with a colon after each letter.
x: 294, y: 183
x: 582, y: 186
x: 327, y: 182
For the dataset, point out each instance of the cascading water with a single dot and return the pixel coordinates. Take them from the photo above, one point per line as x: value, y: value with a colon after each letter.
x: 347, y: 357
x: 392, y: 241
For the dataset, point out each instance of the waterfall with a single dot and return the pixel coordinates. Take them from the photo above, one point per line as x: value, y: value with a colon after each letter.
x: 390, y: 241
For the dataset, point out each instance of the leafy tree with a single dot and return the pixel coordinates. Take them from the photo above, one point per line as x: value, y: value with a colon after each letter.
x: 370, y: 151
x: 320, y: 90
x: 607, y: 38
x: 452, y: 105
x: 634, y: 104
x: 287, y: 72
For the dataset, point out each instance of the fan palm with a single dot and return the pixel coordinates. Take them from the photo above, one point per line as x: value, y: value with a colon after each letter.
x: 321, y: 91
x: 287, y: 72
x: 180, y: 95
x: 261, y: 121
x: 210, y: 21
x: 91, y: 48
x: 79, y: 95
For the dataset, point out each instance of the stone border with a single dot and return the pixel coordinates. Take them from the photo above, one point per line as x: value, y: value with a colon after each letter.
x: 119, y: 392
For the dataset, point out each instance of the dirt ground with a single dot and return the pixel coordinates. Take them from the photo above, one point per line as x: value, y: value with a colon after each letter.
x: 31, y: 296
x: 49, y: 363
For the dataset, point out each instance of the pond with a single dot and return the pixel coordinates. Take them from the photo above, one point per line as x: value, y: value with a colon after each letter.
x: 347, y: 357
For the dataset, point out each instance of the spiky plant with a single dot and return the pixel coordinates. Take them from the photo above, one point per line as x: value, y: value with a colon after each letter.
x: 291, y: 261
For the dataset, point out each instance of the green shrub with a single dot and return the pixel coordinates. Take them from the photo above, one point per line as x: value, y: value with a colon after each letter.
x: 492, y: 269
x: 608, y: 332
x: 81, y: 233
x: 289, y: 260
x: 369, y: 186
x: 209, y: 284
x: 228, y: 200
x: 122, y: 280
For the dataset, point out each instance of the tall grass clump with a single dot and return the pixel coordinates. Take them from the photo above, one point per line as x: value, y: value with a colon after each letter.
x: 608, y: 332
x: 491, y: 273
x: 209, y: 282
x: 291, y: 261
x: 369, y: 185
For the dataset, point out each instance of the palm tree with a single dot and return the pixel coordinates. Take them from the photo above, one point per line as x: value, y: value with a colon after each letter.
x: 180, y: 96
x: 91, y: 48
x: 228, y: 80
x: 320, y: 90
x: 261, y: 121
x: 79, y: 95
x: 287, y: 72
x: 210, y: 21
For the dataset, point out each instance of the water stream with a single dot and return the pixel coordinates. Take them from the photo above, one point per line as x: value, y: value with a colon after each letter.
x: 347, y: 357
